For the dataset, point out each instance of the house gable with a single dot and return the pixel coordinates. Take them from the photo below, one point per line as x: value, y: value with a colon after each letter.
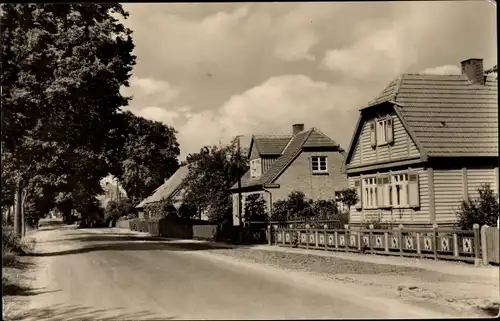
x: 368, y: 150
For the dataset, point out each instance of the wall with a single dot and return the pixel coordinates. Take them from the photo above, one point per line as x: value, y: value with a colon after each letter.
x: 298, y: 177
x: 477, y: 176
x: 398, y: 216
x: 451, y: 186
x: 403, y: 146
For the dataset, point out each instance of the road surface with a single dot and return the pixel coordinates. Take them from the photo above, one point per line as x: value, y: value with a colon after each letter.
x: 91, y: 274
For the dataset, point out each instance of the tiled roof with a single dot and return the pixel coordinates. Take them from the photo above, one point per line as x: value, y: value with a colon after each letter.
x: 168, y: 188
x: 308, y: 138
x: 270, y: 144
x: 448, y: 115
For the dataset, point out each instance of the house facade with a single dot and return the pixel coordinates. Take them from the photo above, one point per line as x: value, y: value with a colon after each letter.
x: 306, y: 161
x: 171, y: 189
x: 423, y: 145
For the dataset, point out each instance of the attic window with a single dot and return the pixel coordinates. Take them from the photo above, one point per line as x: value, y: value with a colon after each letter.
x: 318, y: 164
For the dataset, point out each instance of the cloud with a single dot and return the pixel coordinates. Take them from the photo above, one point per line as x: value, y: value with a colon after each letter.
x: 443, y: 70
x: 272, y: 107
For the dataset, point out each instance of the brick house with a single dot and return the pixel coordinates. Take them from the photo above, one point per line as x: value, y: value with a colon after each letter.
x: 424, y: 144
x: 306, y: 161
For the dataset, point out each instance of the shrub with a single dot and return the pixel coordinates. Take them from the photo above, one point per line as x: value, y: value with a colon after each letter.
x: 349, y: 197
x: 11, y: 242
x: 279, y: 211
x: 484, y: 210
x: 255, y: 208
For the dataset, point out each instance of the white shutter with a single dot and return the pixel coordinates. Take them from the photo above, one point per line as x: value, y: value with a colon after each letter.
x: 390, y: 131
x: 357, y: 185
x: 236, y: 219
x: 413, y: 190
x: 386, y: 180
x: 373, y: 134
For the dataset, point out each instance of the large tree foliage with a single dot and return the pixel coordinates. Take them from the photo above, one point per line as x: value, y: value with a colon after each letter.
x: 62, y: 69
x: 212, y: 172
x: 141, y: 153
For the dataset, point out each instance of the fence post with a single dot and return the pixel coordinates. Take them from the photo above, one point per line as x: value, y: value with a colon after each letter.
x: 370, y: 237
x: 455, y: 245
x: 419, y: 251
x: 346, y: 237
x: 359, y: 239
x: 307, y: 236
x: 269, y: 235
x: 325, y: 237
x: 386, y: 242
x: 477, y: 245
x: 336, y: 236
x: 434, y: 240
x: 400, y: 239
x: 484, y: 244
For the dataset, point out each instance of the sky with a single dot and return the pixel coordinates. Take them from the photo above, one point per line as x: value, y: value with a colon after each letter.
x: 216, y: 70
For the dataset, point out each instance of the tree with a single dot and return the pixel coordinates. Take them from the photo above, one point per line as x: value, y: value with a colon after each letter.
x: 212, y: 172
x: 298, y: 206
x: 62, y: 69
x: 493, y: 69
x: 483, y: 210
x: 349, y: 197
x: 324, y: 209
x: 141, y: 153
x: 255, y: 208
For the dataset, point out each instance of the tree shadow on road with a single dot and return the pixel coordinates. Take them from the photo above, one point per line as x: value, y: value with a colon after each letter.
x: 14, y: 289
x: 73, y: 312
x: 138, y: 244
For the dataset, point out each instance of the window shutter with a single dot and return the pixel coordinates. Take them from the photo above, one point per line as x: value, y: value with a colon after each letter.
x: 236, y: 219
x: 357, y: 185
x: 390, y: 131
x: 387, y: 191
x: 373, y: 135
x: 413, y: 190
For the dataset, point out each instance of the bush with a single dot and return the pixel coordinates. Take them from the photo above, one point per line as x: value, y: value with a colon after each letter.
x: 116, y: 210
x: 255, y: 208
x: 11, y: 242
x: 484, y: 210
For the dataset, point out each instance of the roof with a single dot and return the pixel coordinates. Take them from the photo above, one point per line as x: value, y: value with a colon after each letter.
x: 308, y: 138
x: 446, y: 114
x: 167, y: 189
x: 270, y: 144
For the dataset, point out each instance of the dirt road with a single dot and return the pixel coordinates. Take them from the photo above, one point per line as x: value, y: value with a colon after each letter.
x: 104, y: 274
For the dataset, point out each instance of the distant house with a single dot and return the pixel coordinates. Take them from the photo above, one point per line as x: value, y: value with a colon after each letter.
x: 171, y: 189
x: 306, y: 161
x: 111, y: 192
x: 424, y: 144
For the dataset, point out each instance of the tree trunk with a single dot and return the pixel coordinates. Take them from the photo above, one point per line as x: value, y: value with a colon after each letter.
x: 18, y: 216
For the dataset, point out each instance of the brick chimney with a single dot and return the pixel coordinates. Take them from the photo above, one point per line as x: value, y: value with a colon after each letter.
x: 473, y: 69
x: 297, y: 128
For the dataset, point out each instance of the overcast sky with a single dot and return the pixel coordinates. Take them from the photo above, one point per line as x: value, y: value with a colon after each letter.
x: 216, y: 70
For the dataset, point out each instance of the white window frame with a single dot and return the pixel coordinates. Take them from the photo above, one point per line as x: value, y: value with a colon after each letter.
x: 318, y: 160
x: 399, y: 183
x: 369, y: 186
x: 381, y: 131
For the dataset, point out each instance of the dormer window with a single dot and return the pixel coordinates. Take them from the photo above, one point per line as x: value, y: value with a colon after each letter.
x: 255, y: 168
x: 381, y: 132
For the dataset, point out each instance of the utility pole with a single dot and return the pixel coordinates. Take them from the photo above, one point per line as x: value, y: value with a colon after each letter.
x: 239, y: 186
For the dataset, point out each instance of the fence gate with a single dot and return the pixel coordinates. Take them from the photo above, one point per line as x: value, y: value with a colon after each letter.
x: 490, y: 244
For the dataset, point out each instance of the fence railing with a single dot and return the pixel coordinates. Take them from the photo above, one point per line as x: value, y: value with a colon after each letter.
x: 432, y: 243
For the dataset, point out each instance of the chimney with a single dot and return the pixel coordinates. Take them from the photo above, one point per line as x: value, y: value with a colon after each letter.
x: 297, y: 128
x: 473, y: 69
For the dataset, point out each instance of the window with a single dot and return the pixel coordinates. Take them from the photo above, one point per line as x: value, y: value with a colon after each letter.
x: 255, y: 168
x: 399, y: 190
x: 381, y: 132
x: 319, y: 164
x: 369, y: 192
